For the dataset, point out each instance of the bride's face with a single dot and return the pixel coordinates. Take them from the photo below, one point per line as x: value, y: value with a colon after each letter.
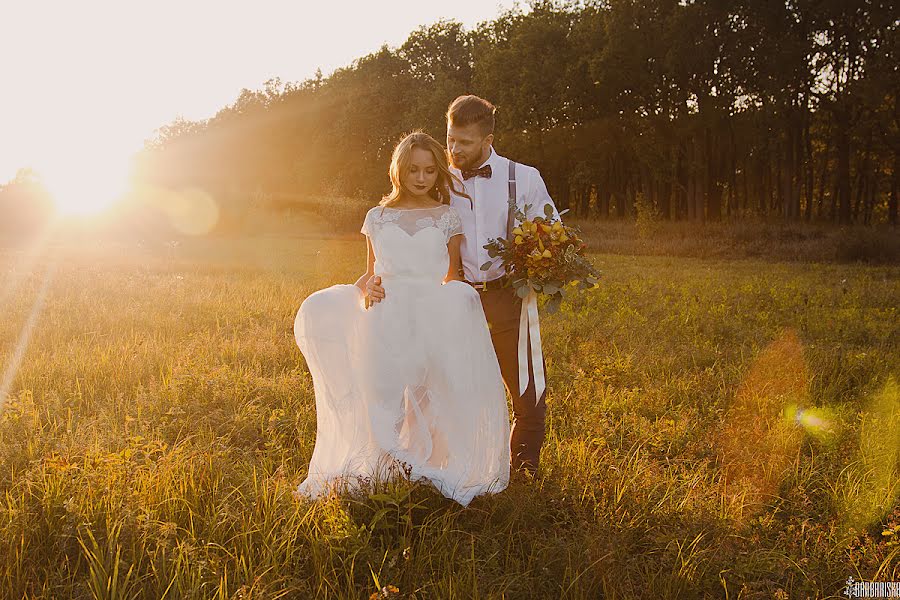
x: 422, y: 173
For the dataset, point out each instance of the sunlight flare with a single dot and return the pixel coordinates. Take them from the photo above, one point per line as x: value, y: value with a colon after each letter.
x: 86, y: 187
x: 12, y: 367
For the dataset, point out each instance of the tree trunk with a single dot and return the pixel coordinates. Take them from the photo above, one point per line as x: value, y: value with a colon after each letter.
x: 842, y: 141
x: 823, y: 181
x: 628, y: 207
x: 892, y: 201
x: 863, y: 180
x: 603, y: 201
x: 691, y: 193
x: 779, y: 180
x: 713, y: 189
x: 619, y: 189
x: 665, y: 199
x: 733, y: 196
x: 620, y: 195
x: 714, y: 199
x: 870, y: 197
x: 796, y: 178
x: 681, y: 183
x: 765, y: 166
x: 833, y: 214
x: 695, y: 193
x: 745, y: 201
x: 809, y: 191
x: 786, y: 169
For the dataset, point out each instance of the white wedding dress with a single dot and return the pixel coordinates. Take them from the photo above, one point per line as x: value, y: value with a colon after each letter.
x: 414, y: 378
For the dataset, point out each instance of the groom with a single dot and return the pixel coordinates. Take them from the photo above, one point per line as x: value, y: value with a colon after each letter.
x: 485, y: 175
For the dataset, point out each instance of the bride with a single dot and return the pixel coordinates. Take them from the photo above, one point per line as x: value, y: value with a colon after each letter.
x: 413, y: 379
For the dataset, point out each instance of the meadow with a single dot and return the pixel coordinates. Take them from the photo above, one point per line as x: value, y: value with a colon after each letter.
x: 720, y: 425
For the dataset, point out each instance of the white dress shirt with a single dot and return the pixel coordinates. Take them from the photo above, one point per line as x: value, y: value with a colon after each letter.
x: 485, y: 216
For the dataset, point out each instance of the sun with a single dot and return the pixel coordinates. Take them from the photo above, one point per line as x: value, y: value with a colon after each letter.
x: 85, y: 187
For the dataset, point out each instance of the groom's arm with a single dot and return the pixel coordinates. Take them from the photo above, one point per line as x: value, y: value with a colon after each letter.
x: 537, y: 196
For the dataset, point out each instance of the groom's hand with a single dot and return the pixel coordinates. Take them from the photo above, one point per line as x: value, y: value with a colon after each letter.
x: 374, y: 291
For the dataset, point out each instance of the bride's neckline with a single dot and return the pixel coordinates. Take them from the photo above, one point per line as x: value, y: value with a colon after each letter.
x: 420, y: 208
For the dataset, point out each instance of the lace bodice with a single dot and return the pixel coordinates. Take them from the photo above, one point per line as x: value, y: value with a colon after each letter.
x: 412, y: 242
x: 411, y: 220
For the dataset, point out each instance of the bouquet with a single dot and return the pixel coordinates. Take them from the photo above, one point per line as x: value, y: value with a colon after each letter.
x: 543, y: 256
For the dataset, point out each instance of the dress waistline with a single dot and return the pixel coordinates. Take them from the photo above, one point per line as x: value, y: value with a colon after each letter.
x: 386, y: 277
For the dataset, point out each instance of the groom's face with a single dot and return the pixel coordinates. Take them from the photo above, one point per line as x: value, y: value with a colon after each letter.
x: 468, y: 146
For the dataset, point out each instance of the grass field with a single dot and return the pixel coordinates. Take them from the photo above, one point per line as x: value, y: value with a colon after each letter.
x: 717, y: 428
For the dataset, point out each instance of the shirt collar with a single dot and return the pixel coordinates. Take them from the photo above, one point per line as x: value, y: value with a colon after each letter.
x: 493, y: 159
x: 488, y: 159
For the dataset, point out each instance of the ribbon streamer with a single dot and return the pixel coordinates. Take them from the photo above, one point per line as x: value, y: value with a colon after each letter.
x: 529, y: 327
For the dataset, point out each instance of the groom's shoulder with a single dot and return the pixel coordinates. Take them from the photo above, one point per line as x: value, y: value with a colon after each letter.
x: 525, y: 169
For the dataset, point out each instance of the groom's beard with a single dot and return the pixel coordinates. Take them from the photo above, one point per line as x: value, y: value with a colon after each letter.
x: 457, y: 163
x: 465, y: 163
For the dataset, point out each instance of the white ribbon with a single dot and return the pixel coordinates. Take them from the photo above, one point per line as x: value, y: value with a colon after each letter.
x: 529, y: 327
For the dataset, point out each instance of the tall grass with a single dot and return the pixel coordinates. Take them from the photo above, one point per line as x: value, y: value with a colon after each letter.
x: 716, y: 428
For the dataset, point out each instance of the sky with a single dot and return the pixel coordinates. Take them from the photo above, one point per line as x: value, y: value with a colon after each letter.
x: 85, y: 83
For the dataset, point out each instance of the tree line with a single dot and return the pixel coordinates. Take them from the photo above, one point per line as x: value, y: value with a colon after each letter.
x: 692, y: 110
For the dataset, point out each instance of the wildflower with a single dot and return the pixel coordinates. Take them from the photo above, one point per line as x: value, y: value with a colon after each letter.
x: 388, y: 591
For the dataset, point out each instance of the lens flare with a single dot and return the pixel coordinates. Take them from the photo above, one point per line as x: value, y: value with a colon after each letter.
x: 192, y: 211
x: 869, y: 487
x: 817, y: 422
x: 757, y: 444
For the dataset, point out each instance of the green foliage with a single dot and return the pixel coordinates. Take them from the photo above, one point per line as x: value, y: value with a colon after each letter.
x: 25, y: 205
x: 704, y: 110
x: 647, y: 218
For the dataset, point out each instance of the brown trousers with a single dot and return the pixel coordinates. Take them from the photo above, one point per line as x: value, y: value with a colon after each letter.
x: 502, y: 307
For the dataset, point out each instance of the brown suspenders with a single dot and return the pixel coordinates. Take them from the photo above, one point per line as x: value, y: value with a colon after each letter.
x: 511, y: 217
x: 510, y: 214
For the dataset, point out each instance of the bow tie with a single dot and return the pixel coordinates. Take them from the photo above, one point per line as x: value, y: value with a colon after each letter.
x: 484, y: 171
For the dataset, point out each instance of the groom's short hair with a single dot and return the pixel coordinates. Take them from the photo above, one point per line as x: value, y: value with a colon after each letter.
x: 466, y: 110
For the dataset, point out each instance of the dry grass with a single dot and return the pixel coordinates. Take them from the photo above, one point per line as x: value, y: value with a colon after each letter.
x: 159, y: 416
x: 778, y: 240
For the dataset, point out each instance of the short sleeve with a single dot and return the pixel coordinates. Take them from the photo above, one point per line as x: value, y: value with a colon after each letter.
x: 538, y: 197
x: 367, y: 223
x: 454, y: 223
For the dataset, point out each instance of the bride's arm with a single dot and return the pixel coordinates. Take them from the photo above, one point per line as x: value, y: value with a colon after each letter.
x: 455, y: 270
x: 370, y: 267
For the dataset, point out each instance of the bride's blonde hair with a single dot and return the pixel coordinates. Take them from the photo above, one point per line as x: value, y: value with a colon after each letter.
x: 446, y: 181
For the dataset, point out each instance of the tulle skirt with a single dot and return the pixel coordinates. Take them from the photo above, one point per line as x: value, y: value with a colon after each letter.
x: 413, y: 380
